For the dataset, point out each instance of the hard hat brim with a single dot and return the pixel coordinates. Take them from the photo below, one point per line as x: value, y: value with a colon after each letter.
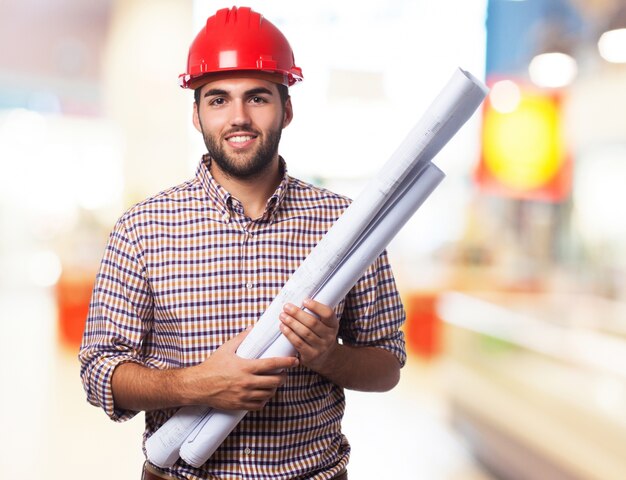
x: 196, y: 82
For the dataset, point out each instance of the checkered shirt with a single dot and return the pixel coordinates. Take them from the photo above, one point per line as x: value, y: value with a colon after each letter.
x: 186, y: 270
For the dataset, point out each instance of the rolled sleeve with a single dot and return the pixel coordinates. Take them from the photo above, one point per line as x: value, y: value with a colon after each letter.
x: 120, y: 315
x: 373, y: 313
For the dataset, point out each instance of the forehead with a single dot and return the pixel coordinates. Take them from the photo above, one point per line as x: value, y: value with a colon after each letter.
x: 239, y: 86
x: 239, y: 83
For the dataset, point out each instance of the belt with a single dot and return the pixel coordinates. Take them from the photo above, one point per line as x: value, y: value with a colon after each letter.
x: 151, y: 473
x: 341, y: 476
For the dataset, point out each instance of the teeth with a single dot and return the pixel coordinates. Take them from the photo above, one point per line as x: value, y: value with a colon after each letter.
x: 240, y: 138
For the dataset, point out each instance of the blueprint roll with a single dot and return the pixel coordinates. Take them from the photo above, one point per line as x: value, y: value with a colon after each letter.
x: 446, y: 115
x: 210, y: 434
x: 163, y: 446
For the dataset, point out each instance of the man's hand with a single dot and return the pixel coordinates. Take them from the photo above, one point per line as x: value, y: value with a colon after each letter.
x: 228, y: 382
x: 224, y: 380
x: 313, y: 335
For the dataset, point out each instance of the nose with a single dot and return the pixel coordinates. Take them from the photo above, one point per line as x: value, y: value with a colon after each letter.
x: 240, y: 115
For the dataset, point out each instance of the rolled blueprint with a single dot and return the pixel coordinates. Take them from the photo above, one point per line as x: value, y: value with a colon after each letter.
x: 209, y: 434
x: 189, y: 422
x: 162, y: 448
x: 385, y: 195
x: 445, y: 116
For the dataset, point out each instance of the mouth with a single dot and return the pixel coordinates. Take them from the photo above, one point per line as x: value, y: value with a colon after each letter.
x: 240, y: 139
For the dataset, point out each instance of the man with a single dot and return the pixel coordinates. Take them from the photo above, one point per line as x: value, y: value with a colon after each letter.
x: 187, y: 272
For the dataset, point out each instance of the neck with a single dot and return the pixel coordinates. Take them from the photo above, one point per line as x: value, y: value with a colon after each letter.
x: 253, y: 192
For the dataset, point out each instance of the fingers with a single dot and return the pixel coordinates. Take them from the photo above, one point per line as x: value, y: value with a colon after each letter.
x: 312, y: 332
x: 252, y: 399
x: 263, y: 388
x: 320, y: 321
x: 298, y: 332
x: 232, y: 382
x: 301, y: 328
x: 261, y: 366
x: 267, y: 382
x: 257, y: 399
x: 270, y: 366
x: 324, y: 312
x: 316, y: 312
x: 246, y: 390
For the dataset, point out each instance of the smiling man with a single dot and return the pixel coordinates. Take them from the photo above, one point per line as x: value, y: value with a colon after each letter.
x: 241, y: 120
x: 229, y: 104
x: 187, y: 272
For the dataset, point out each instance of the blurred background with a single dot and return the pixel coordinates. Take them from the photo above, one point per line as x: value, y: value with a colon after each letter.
x: 513, y: 273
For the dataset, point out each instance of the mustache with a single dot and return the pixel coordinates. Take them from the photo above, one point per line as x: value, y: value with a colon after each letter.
x: 241, y: 131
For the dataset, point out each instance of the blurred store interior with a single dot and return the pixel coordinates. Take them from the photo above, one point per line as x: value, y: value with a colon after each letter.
x: 513, y: 273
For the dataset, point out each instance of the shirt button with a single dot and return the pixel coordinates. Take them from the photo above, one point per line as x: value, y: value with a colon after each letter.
x: 247, y: 451
x: 249, y: 285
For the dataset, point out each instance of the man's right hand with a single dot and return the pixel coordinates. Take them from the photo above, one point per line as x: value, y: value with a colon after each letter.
x: 228, y: 382
x: 224, y: 380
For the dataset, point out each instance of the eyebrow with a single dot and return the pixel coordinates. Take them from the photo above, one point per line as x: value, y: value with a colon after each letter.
x: 254, y: 91
x: 258, y: 90
x: 215, y: 91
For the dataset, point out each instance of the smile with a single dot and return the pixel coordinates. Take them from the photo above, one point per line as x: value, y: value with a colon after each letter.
x: 240, y: 138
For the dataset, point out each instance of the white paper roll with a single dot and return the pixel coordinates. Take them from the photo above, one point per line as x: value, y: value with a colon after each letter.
x: 209, y: 435
x: 163, y: 449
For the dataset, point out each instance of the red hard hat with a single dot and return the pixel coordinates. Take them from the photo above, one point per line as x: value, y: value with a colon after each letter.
x: 239, y: 39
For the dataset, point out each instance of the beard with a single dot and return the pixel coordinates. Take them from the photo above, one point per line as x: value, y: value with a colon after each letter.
x: 244, y: 165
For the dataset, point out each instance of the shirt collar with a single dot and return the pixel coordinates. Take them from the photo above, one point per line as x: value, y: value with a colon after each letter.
x: 223, y: 200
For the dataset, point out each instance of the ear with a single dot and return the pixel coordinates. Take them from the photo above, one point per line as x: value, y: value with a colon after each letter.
x: 196, y: 118
x: 288, y: 115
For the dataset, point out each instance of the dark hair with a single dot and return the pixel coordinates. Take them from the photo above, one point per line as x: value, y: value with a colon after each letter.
x: 283, y: 91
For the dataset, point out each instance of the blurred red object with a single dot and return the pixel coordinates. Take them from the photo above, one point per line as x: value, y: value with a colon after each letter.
x: 73, y: 294
x: 423, y: 326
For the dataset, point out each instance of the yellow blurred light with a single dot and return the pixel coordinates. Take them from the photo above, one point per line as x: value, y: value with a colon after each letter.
x: 553, y: 70
x: 523, y: 149
x: 505, y: 96
x: 612, y: 46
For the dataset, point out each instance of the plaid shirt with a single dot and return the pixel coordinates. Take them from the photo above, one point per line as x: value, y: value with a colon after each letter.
x: 186, y: 270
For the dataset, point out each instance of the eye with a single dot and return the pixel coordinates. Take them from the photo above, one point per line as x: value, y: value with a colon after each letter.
x: 217, y: 101
x: 257, y: 99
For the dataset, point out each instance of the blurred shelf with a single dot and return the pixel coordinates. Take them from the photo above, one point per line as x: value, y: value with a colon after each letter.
x: 580, y: 330
x: 538, y: 388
